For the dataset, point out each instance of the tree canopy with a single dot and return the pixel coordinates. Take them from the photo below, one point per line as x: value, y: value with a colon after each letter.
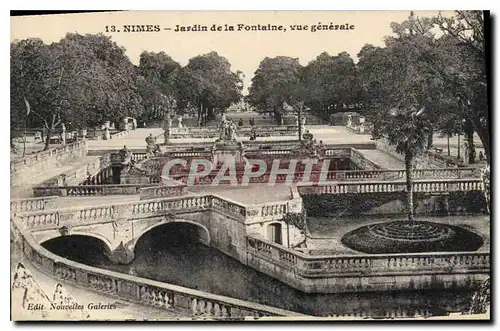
x: 80, y: 81
x: 276, y: 81
x: 208, y: 84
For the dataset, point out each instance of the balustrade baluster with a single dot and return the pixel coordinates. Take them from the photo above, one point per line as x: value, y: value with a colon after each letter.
x: 194, y: 306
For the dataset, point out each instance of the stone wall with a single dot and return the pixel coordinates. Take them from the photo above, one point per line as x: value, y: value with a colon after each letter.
x: 365, y: 273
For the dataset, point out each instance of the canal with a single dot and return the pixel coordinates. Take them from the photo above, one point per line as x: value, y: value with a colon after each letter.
x: 168, y: 254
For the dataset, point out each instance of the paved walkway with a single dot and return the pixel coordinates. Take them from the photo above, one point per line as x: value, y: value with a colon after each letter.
x: 252, y: 194
x: 134, y: 139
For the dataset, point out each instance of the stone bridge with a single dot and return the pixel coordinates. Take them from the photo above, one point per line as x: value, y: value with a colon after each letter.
x: 219, y: 222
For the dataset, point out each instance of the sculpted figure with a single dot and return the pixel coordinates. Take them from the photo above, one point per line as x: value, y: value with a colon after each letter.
x: 232, y: 131
x: 150, y: 145
x: 125, y: 156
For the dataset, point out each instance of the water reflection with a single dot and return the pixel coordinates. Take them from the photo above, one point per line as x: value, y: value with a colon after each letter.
x: 169, y: 254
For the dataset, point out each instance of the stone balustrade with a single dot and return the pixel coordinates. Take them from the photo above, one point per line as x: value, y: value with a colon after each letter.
x: 136, y: 156
x: 89, y: 190
x: 428, y: 186
x: 140, y: 290
x: 29, y: 205
x: 162, y: 191
x: 49, y: 158
x: 227, y: 206
x: 47, y: 219
x: 344, y: 176
x: 369, y: 265
x: 213, y: 132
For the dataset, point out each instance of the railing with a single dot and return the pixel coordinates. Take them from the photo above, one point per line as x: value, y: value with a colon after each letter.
x: 428, y: 186
x: 162, y: 191
x: 213, y: 132
x: 186, y: 204
x: 34, y: 204
x: 137, y: 157
x: 140, y: 290
x: 369, y: 265
x: 79, y: 148
x: 340, y: 176
x: 89, y: 190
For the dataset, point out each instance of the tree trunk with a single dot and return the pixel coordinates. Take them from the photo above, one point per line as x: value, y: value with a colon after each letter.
x: 199, y: 112
x: 485, y: 139
x: 299, y: 119
x: 47, y: 138
x: 448, y: 145
x: 430, y: 139
x: 409, y: 185
x: 469, y: 135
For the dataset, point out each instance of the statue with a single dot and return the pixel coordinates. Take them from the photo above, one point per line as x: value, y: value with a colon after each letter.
x: 167, y: 124
x: 307, y: 136
x: 466, y: 152
x: 63, y: 134
x: 227, y: 130
x: 179, y: 119
x: 253, y: 133
x: 232, y: 131
x: 125, y: 155
x: 151, y: 146
x: 361, y: 125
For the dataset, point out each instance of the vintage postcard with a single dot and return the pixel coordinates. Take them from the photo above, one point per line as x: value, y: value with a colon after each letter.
x: 272, y: 165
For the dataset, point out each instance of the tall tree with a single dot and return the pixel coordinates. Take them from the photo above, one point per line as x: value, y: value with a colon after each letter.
x: 406, y: 93
x: 80, y: 81
x: 460, y: 61
x: 330, y: 83
x: 156, y: 84
x: 275, y: 83
x: 208, y: 83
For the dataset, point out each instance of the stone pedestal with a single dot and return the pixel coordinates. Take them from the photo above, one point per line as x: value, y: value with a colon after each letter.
x: 83, y: 133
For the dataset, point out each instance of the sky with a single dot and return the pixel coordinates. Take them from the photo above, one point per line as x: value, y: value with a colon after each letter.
x: 243, y: 49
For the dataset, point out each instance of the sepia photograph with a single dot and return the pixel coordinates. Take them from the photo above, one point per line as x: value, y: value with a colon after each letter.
x: 250, y: 166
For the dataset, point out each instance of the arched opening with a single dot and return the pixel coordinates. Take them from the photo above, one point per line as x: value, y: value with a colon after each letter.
x: 173, y: 234
x: 274, y: 233
x: 80, y: 248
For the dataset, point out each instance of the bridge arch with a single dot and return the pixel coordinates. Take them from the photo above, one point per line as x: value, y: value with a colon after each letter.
x: 203, y: 233
x: 47, y: 236
x: 96, y: 240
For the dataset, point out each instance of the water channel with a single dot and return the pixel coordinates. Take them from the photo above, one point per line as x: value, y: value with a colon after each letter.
x: 168, y: 254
